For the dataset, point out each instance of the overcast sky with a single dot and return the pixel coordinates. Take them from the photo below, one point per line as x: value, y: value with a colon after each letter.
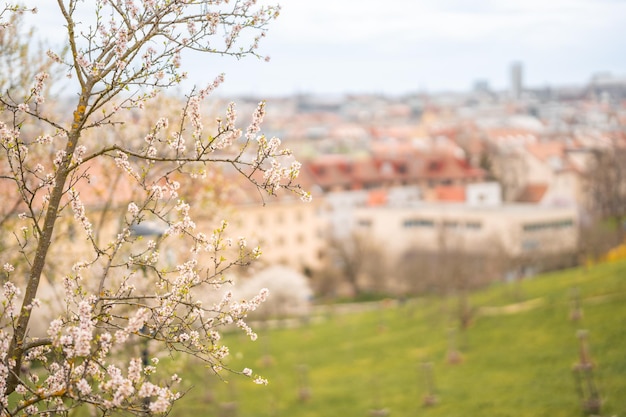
x: 398, y: 46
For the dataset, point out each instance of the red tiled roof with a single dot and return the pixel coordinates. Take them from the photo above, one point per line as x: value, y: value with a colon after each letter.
x: 329, y: 172
x: 545, y: 150
x: 499, y: 133
x: 451, y: 168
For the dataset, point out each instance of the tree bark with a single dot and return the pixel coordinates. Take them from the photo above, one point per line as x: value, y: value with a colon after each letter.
x: 16, y: 348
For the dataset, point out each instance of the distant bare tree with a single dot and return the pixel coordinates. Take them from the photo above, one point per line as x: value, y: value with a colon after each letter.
x: 418, y: 270
x: 606, y: 182
x: 355, y: 258
x: 596, y: 239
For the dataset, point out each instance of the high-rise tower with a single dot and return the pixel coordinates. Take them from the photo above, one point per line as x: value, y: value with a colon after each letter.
x: 517, y: 85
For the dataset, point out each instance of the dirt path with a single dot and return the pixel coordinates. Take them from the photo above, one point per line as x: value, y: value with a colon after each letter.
x: 511, y: 308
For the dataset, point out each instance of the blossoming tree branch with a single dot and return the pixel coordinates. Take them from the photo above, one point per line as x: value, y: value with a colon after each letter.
x: 82, y: 188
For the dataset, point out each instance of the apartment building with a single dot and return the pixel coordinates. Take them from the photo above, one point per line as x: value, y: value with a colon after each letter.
x: 510, y: 229
x: 288, y: 231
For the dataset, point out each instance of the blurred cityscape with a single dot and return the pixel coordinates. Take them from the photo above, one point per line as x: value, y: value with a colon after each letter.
x: 418, y: 249
x: 427, y: 192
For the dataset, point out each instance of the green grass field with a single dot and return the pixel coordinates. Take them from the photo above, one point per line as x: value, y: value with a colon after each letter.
x: 516, y: 361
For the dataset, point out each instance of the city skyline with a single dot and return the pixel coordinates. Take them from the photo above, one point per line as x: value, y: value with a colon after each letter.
x: 403, y: 46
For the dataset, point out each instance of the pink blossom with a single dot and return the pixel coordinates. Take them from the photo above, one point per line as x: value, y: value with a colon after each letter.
x: 38, y: 87
x: 136, y: 322
x: 260, y: 381
x: 121, y: 42
x: 134, y: 370
x: 44, y: 139
x: 133, y: 209
x: 59, y: 157
x: 53, y: 56
x: 83, y: 387
x: 79, y: 211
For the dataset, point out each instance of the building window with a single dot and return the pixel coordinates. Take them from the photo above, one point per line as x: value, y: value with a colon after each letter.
x: 418, y: 223
x: 473, y: 225
x: 364, y: 223
x: 548, y: 225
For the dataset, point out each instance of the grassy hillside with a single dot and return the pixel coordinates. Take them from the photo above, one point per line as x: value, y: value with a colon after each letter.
x: 517, y: 356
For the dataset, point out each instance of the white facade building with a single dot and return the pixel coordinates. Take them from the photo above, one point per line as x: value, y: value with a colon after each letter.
x: 338, y: 209
x: 514, y: 230
x: 483, y: 194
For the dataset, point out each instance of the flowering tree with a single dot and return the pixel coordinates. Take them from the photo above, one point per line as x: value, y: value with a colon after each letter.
x: 117, y: 288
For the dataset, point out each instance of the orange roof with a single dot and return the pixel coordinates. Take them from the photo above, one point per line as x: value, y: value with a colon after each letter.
x: 450, y: 193
x: 377, y: 198
x: 501, y: 133
x: 545, y: 150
